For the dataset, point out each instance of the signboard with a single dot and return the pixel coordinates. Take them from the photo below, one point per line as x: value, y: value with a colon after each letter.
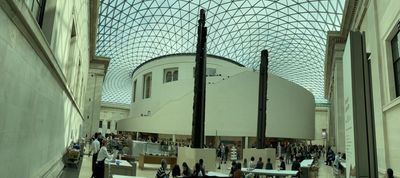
x: 348, y: 113
x: 359, y: 124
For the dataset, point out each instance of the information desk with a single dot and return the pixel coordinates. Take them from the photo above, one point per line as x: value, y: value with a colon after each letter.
x: 306, y: 163
x: 123, y: 168
x: 153, y: 159
x: 270, y: 172
x: 306, y: 167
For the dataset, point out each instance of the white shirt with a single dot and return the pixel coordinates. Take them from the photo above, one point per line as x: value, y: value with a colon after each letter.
x: 103, y: 154
x: 95, y: 146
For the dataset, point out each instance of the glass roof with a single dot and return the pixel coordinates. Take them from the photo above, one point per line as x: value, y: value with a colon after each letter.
x: 131, y: 32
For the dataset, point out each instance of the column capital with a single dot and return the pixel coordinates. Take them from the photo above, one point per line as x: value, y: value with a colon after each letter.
x: 99, y: 65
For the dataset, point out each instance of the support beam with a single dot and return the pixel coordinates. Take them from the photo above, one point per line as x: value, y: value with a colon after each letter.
x: 262, y: 100
x: 199, y: 85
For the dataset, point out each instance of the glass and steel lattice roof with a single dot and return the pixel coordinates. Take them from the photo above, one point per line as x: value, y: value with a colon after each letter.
x: 131, y: 32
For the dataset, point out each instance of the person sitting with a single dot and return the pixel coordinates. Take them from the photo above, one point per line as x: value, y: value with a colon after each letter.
x: 161, y: 172
x: 176, y: 171
x: 296, y: 166
x: 252, y: 164
x: 238, y: 171
x: 186, y: 172
x: 233, y: 169
x: 336, y: 161
x: 259, y: 164
x: 198, y: 172
x: 269, y: 164
x: 283, y: 165
x: 203, y: 168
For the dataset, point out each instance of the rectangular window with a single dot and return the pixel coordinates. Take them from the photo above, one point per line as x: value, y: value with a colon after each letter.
x: 170, y: 75
x: 134, y: 91
x: 37, y: 9
x: 396, y: 62
x: 147, y: 85
x: 209, y: 72
x: 100, y: 124
x: 108, y: 124
x: 115, y: 126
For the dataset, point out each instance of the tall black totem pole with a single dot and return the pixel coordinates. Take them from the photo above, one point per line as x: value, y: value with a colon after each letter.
x: 199, y: 98
x: 262, y: 100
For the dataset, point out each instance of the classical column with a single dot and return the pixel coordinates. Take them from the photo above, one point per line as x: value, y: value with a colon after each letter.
x: 173, y: 138
x: 97, y: 70
x: 334, y: 90
x: 246, y: 142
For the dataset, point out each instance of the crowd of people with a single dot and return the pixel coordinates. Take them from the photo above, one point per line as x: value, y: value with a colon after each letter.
x: 197, y: 171
x: 294, y: 153
x: 301, y: 151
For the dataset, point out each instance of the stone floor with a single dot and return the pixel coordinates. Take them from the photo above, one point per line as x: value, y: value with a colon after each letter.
x: 84, y: 170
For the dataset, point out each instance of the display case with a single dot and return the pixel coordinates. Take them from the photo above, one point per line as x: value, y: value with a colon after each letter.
x: 149, y: 148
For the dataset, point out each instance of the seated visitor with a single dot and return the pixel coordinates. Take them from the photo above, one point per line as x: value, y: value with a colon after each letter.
x: 176, y: 171
x: 161, y: 172
x: 233, y: 169
x: 198, y: 172
x: 259, y: 164
x: 252, y: 164
x: 238, y: 171
x: 269, y: 164
x: 336, y: 161
x: 203, y: 168
x: 186, y: 172
x: 295, y: 165
x: 282, y: 166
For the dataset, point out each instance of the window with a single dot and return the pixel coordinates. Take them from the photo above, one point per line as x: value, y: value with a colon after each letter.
x: 170, y: 75
x: 108, y: 124
x: 115, y: 126
x: 147, y: 85
x: 209, y: 72
x: 396, y: 62
x: 100, y: 124
x: 37, y: 9
x: 134, y: 91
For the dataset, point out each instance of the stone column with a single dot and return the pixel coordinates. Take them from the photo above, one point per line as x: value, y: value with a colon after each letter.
x: 246, y: 142
x: 334, y: 89
x: 97, y: 70
x: 339, y: 107
x: 337, y: 98
x: 173, y: 138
